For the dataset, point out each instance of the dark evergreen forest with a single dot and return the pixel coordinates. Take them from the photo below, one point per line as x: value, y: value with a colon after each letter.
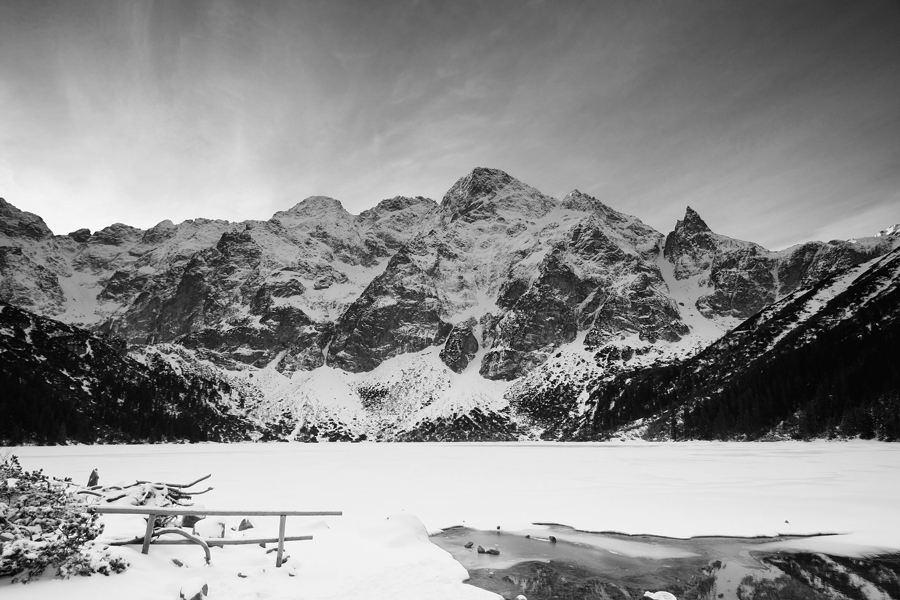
x: 60, y: 383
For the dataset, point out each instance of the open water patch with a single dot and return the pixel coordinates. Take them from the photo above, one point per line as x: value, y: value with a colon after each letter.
x: 561, y: 563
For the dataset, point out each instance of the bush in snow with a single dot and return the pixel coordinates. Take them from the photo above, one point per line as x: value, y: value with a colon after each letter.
x: 42, y: 526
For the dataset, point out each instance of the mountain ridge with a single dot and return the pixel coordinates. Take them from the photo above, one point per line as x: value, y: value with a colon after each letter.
x: 498, y: 288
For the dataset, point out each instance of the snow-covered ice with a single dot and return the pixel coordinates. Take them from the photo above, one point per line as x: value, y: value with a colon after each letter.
x: 392, y: 494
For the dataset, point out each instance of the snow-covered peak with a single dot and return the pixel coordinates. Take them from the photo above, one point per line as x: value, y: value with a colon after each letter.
x: 319, y: 215
x: 484, y: 193
x: 892, y: 231
x: 395, y: 221
x: 15, y: 223
x: 314, y: 207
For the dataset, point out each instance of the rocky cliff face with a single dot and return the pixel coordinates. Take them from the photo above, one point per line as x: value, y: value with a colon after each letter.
x: 28, y: 284
x: 741, y: 277
x: 398, y: 312
x: 498, y: 283
x: 532, y: 271
x: 253, y: 292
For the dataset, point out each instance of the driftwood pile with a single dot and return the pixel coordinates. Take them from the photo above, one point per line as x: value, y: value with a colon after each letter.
x: 149, y: 493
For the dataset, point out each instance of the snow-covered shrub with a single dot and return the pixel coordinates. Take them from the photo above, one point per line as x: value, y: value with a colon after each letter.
x: 41, y: 526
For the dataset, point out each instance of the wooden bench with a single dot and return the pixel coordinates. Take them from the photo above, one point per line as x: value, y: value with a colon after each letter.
x: 154, y: 511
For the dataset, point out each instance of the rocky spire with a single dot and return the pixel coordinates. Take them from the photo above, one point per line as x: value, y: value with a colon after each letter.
x: 692, y: 223
x: 690, y: 246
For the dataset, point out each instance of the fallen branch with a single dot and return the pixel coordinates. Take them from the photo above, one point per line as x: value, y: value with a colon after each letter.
x: 179, y: 493
x: 178, y: 485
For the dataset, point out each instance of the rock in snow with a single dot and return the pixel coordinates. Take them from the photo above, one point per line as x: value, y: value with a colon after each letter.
x: 194, y: 588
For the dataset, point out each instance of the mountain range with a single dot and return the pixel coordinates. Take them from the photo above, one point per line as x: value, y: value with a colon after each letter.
x: 499, y: 313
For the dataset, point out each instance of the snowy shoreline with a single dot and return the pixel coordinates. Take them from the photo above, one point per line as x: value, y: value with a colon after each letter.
x: 680, y: 490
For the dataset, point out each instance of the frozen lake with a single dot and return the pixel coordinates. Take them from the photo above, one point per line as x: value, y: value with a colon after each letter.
x: 380, y: 550
x: 679, y: 490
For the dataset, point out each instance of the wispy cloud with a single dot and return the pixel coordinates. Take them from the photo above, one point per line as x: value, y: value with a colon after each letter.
x: 775, y: 120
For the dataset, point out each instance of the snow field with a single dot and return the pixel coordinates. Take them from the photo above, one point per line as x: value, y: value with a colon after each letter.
x: 679, y: 490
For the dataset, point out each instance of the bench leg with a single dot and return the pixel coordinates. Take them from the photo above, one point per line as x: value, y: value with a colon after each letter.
x: 280, y: 540
x: 151, y: 521
x: 190, y: 538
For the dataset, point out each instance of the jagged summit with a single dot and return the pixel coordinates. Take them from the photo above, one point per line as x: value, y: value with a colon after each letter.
x: 692, y: 223
x: 480, y: 182
x: 396, y: 204
x: 314, y: 206
x: 317, y: 213
x: 116, y: 234
x: 578, y: 200
x: 18, y: 223
x: 692, y: 246
x: 484, y: 192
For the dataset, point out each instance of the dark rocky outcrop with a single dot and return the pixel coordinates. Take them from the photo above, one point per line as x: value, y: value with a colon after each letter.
x: 210, y: 277
x: 398, y: 312
x: 81, y: 235
x: 537, y: 321
x: 639, y: 307
x: 742, y: 282
x: 116, y: 234
x: 460, y: 347
x: 15, y: 223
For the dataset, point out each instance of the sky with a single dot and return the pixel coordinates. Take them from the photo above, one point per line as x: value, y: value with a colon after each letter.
x: 777, y: 120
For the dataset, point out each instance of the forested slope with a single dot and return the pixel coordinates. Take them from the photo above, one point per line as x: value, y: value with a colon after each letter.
x: 60, y: 383
x: 821, y: 362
